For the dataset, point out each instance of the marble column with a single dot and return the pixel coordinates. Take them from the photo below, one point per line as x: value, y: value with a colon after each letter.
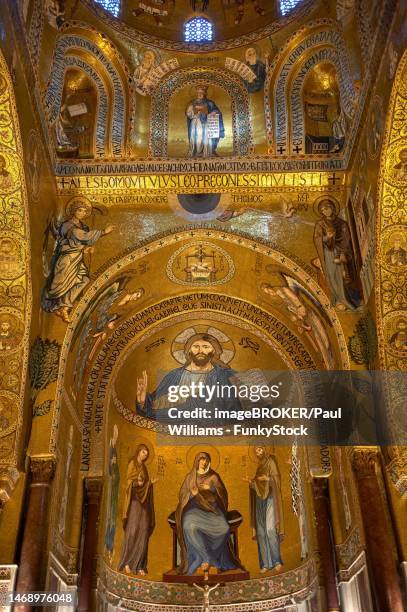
x: 325, y: 543
x: 93, y: 489
x: 382, y: 562
x: 31, y: 570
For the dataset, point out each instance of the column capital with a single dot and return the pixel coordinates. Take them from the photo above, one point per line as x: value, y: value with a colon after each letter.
x: 364, y: 461
x: 42, y: 469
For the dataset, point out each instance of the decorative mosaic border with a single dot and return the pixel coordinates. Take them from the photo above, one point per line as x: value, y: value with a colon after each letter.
x: 255, y: 164
x: 392, y: 215
x: 14, y: 217
x: 258, y: 591
x: 35, y: 32
x: 259, y: 606
x: 167, y: 88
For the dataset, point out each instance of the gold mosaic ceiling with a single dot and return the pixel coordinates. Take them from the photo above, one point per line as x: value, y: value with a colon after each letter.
x: 230, y: 18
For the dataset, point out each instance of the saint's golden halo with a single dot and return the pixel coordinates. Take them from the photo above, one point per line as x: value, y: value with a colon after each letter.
x: 142, y: 440
x: 397, y: 236
x: 78, y: 202
x: 178, y: 344
x: 203, y: 448
x: 327, y: 196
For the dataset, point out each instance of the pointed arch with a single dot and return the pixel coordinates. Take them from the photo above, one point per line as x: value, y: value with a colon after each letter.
x: 15, y: 284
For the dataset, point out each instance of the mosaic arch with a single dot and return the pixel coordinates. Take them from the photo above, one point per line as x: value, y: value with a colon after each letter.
x: 277, y: 95
x: 70, y: 47
x: 100, y: 390
x: 121, y: 263
x: 297, y: 133
x: 242, y: 135
x: 15, y: 285
x: 101, y: 144
x: 391, y: 268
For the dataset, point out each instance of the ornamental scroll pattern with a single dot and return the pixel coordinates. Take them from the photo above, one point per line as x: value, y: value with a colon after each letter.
x: 15, y: 287
x: 242, y: 135
x: 391, y: 294
x: 103, y: 106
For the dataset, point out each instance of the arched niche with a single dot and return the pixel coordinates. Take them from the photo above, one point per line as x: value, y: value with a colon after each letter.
x: 324, y: 122
x: 77, y: 50
x: 169, y: 106
x: 391, y: 268
x: 76, y: 132
x: 143, y: 336
x: 283, y: 88
x: 122, y: 432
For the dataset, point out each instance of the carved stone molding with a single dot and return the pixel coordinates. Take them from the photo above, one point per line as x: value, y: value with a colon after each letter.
x: 364, y: 461
x: 42, y: 469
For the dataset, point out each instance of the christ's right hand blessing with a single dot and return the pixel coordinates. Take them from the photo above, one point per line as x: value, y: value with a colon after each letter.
x: 142, y: 388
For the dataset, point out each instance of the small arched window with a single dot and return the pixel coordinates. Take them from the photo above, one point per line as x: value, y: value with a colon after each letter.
x: 286, y: 6
x: 198, y: 30
x: 111, y: 6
